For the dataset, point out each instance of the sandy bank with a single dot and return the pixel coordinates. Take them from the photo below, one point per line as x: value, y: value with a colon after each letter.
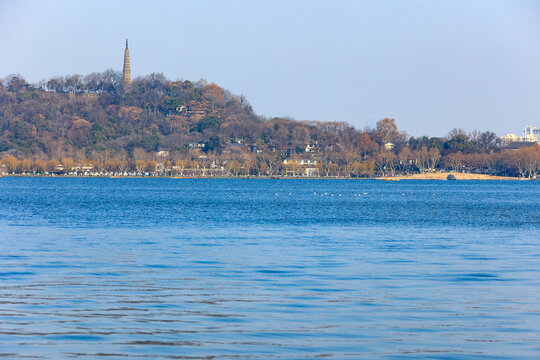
x: 442, y: 176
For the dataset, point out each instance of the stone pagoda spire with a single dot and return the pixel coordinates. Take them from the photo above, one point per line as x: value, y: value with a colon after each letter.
x: 126, y: 73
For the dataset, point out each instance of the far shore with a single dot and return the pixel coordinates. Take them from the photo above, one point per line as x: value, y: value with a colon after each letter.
x: 459, y: 176
x: 426, y: 176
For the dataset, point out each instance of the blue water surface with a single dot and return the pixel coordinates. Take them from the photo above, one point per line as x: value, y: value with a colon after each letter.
x: 269, y: 269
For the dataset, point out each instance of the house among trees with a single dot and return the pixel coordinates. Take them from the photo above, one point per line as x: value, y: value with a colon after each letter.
x: 162, y: 151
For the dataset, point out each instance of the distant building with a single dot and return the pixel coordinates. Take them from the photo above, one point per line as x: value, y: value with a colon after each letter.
x: 199, y: 145
x: 531, y: 134
x: 509, y: 138
x: 389, y: 145
x: 310, y: 148
x: 162, y: 151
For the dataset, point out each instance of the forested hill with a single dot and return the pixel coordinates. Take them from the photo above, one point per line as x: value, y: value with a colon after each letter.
x: 66, y: 116
x: 91, y: 120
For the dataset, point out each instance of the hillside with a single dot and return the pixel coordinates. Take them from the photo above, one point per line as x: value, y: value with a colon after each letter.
x: 91, y: 120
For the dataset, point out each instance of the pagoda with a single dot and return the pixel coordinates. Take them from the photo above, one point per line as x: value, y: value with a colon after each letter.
x: 126, y: 73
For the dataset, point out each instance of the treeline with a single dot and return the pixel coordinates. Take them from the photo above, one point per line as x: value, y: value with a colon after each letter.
x: 164, y: 127
x: 523, y: 162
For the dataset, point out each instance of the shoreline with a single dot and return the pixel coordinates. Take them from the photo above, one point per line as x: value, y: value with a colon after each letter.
x: 459, y: 176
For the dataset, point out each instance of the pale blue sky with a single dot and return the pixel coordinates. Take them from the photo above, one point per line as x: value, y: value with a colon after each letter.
x: 431, y: 65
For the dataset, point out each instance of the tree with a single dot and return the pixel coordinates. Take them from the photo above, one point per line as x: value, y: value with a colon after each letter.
x: 203, y: 162
x: 365, y: 145
x: 487, y: 141
x: 385, y: 162
x: 213, y: 144
x: 404, y: 159
x: 11, y: 163
x: 386, y: 130
x: 234, y: 167
x: 454, y: 161
x: 140, y: 166
x: 527, y: 161
x: 248, y: 162
x: 434, y: 157
x: 113, y: 165
x: 25, y: 166
x: 15, y: 83
x: 52, y: 165
x: 181, y: 165
x: 151, y: 166
x: 68, y: 164
x: 262, y: 168
x: 39, y: 166
x: 214, y: 94
x: 421, y: 159
x: 458, y: 140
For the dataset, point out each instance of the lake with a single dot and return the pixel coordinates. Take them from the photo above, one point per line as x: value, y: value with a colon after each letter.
x: 269, y: 269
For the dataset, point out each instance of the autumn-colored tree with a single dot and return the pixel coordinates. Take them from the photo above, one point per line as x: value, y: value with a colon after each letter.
x: 234, y: 167
x: 214, y: 94
x: 385, y: 162
x: 25, y: 165
x: 331, y: 169
x: 52, y: 165
x: 434, y: 157
x: 527, y: 161
x: 68, y: 164
x: 11, y: 163
x: 249, y: 162
x: 151, y: 166
x: 454, y: 161
x: 140, y: 166
x: 113, y: 165
x: 404, y: 160
x: 98, y: 165
x: 356, y: 168
x: 533, y: 160
x: 421, y: 159
x: 39, y: 166
x: 293, y: 167
x: 262, y: 168
x: 181, y: 164
x: 386, y: 130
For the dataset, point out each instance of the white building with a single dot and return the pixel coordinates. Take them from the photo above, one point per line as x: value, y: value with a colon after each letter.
x: 530, y: 134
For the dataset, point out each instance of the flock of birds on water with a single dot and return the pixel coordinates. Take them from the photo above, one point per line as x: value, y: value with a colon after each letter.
x: 338, y: 195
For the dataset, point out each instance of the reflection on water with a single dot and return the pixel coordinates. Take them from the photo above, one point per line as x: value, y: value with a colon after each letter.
x: 224, y: 269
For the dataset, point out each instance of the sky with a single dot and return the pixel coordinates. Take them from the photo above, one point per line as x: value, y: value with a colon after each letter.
x: 431, y: 65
